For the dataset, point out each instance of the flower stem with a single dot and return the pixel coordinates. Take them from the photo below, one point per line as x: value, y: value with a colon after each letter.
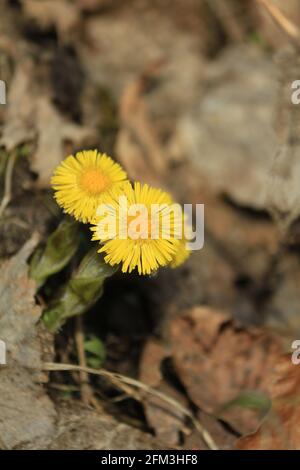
x: 81, y: 292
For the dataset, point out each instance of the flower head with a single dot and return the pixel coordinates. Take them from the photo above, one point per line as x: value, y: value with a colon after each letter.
x: 183, y: 252
x: 181, y: 255
x: 146, y: 236
x: 84, y: 181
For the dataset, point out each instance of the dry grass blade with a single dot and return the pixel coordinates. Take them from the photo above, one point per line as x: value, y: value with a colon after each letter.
x: 136, y: 384
x: 289, y: 28
x: 8, y: 182
x: 85, y: 389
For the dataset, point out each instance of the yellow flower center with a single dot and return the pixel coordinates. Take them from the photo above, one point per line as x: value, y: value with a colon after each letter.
x: 143, y: 228
x: 94, y: 182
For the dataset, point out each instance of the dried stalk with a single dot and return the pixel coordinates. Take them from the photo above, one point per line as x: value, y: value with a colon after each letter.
x: 8, y: 182
x: 120, y: 380
x: 286, y: 25
x: 86, y: 391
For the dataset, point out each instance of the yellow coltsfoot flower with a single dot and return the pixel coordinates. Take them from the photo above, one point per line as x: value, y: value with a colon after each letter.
x: 146, y: 231
x: 181, y: 255
x: 82, y: 182
x: 183, y: 252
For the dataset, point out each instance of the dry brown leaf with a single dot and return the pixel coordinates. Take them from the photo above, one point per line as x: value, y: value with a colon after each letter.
x: 228, y: 134
x: 110, y: 61
x: 18, y: 310
x: 61, y: 14
x: 280, y: 428
x: 21, y: 424
x: 166, y: 421
x: 53, y: 131
x: 32, y: 116
x: 249, y: 242
x: 282, y: 310
x: 217, y: 360
x: 114, y: 63
x: 19, y: 118
x: 138, y: 147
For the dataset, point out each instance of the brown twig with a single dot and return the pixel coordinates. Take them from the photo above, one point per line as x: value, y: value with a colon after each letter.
x: 286, y: 25
x: 120, y: 380
x: 8, y: 182
x: 86, y: 391
x: 226, y: 14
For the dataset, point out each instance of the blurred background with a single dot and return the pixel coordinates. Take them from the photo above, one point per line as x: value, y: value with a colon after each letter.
x: 185, y: 94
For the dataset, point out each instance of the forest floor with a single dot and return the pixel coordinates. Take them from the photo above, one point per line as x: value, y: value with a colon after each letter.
x: 185, y: 99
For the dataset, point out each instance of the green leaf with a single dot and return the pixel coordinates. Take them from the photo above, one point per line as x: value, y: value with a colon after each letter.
x: 94, y: 362
x: 95, y: 346
x: 251, y: 400
x: 3, y: 161
x: 95, y: 351
x: 60, y: 248
x: 81, y: 292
